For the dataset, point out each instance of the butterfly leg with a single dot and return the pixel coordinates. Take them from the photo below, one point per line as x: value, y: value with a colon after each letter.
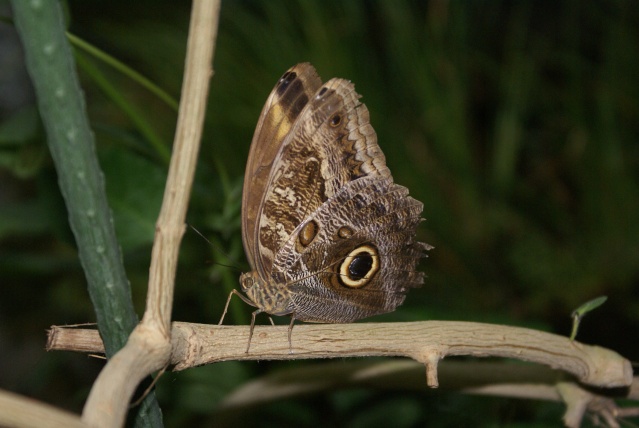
x: 226, y: 307
x: 290, y: 334
x: 248, y: 345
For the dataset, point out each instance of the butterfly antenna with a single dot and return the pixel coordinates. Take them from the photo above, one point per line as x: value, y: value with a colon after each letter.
x: 217, y: 248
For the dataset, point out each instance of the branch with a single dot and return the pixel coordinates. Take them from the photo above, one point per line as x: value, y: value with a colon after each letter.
x: 148, y: 348
x: 424, y: 341
x: 504, y: 379
x: 19, y: 411
x: 428, y: 342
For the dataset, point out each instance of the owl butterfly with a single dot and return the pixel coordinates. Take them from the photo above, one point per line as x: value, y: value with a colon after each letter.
x: 329, y: 237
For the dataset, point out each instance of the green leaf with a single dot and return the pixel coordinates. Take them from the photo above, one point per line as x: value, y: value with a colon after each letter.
x: 582, y: 310
x: 589, y: 306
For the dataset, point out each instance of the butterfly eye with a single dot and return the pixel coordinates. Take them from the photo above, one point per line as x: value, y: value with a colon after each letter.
x: 247, y: 281
x: 335, y: 120
x: 322, y: 92
x: 359, y: 267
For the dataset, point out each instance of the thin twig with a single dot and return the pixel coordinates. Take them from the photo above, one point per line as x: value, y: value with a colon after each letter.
x: 149, y: 346
x: 20, y: 411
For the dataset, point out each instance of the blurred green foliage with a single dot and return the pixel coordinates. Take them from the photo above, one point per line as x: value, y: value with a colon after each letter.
x: 516, y: 123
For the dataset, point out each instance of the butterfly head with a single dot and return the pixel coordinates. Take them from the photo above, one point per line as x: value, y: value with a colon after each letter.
x: 265, y: 295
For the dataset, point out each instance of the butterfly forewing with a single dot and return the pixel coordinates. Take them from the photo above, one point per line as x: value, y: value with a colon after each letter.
x: 280, y: 112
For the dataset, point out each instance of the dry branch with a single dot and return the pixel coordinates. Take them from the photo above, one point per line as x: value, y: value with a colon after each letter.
x: 494, y: 378
x: 149, y: 346
x: 19, y: 411
x: 425, y: 341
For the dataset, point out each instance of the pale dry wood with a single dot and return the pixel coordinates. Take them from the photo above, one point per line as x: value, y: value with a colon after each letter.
x: 18, y: 411
x: 149, y: 346
x: 470, y: 376
x: 503, y: 379
x: 424, y: 341
x: 576, y: 400
x: 628, y: 412
x: 528, y: 391
x: 68, y: 338
x: 495, y: 378
x: 580, y: 401
x: 427, y: 342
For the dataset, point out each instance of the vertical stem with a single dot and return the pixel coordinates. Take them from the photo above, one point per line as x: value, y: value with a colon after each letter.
x: 49, y: 59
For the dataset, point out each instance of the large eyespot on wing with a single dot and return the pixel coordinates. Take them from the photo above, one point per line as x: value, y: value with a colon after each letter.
x: 363, y: 257
x: 359, y: 267
x: 281, y: 110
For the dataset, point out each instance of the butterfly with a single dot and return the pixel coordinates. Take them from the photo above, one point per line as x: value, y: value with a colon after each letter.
x: 329, y: 236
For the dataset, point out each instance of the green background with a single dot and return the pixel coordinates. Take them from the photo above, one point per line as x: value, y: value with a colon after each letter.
x: 516, y: 123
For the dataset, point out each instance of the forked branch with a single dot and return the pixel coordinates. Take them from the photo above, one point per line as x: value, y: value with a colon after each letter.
x: 148, y: 348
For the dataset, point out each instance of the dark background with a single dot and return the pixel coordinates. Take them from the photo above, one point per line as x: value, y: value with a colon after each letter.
x: 516, y: 123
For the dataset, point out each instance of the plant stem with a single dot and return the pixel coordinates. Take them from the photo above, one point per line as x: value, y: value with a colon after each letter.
x: 49, y: 59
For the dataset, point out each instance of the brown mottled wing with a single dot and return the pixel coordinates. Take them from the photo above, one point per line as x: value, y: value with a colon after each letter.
x: 380, y: 214
x: 282, y: 109
x: 304, y: 159
x: 329, y: 144
x: 317, y: 191
x: 331, y: 171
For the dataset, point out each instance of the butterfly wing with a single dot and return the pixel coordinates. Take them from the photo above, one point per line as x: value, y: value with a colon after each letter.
x: 362, y: 259
x: 296, y: 162
x: 339, y: 233
x: 280, y: 113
